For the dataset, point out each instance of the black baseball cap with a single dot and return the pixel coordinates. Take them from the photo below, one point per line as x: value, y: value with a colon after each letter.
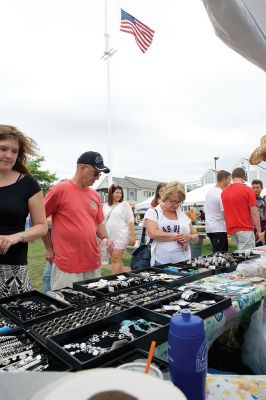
x: 95, y: 159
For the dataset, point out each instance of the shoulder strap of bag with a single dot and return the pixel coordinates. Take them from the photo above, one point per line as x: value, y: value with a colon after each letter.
x: 142, y: 240
x: 109, y: 215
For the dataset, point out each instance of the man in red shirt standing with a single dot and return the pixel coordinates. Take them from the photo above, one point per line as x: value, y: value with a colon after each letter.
x: 77, y: 217
x: 240, y: 211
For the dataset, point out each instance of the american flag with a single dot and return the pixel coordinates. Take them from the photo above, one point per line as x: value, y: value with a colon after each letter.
x: 143, y: 34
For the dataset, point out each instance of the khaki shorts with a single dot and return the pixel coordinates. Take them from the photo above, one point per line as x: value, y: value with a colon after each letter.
x: 244, y: 240
x: 61, y: 279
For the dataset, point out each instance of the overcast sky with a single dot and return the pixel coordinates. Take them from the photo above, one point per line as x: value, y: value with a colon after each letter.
x: 188, y: 99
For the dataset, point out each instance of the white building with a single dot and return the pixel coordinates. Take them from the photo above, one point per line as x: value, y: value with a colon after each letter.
x: 135, y: 190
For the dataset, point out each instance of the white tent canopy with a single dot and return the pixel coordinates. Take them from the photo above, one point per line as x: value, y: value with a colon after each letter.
x: 194, y: 197
x: 241, y: 25
x: 197, y: 196
x: 145, y: 204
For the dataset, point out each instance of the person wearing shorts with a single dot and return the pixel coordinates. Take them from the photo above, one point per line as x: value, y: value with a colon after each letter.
x: 77, y: 215
x: 119, y: 224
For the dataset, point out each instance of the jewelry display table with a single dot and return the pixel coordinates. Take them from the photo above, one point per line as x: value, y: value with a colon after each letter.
x: 217, y: 324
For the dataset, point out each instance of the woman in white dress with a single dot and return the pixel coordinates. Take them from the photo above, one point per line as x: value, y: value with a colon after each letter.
x: 170, y: 228
x: 119, y: 223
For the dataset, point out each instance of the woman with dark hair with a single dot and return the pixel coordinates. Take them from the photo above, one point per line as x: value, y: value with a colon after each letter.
x: 20, y: 195
x: 158, y: 194
x: 119, y: 223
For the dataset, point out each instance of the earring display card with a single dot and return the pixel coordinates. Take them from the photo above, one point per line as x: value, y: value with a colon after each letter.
x: 143, y: 295
x: 228, y: 285
x: 74, y: 298
x: 30, y: 307
x: 20, y: 352
x: 199, y: 303
x: 6, y: 324
x: 137, y: 355
x: 111, y: 283
x: 172, y: 275
x: 75, y: 319
x: 95, y: 344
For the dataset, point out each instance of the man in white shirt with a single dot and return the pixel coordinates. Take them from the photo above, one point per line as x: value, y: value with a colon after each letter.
x: 214, y: 213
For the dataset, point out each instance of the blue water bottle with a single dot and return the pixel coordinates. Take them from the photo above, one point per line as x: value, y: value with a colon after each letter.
x: 187, y: 354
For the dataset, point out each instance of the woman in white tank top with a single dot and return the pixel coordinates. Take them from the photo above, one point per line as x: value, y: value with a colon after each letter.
x: 170, y: 228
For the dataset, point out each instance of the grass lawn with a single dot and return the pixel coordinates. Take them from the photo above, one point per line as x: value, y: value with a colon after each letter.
x: 37, y: 262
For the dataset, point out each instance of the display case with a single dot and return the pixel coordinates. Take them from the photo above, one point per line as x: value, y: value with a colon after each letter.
x: 100, y: 342
x: 218, y: 263
x: 110, y: 283
x: 142, y: 295
x: 179, y: 274
x: 31, y: 307
x: 202, y: 304
x: 75, y: 298
x: 19, y: 352
x: 74, y: 319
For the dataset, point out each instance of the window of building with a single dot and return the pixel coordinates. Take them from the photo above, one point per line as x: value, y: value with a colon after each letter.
x: 132, y: 194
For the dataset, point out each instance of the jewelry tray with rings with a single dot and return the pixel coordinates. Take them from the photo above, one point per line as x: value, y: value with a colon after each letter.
x: 111, y: 283
x: 99, y: 342
x: 198, y: 302
x: 217, y: 263
x: 19, y: 351
x: 31, y: 307
x: 74, y: 319
x: 143, y: 295
x: 179, y: 275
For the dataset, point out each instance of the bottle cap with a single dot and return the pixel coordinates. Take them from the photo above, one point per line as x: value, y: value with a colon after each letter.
x: 186, y: 314
x: 186, y: 325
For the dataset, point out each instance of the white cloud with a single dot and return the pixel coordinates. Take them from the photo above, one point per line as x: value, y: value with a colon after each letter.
x: 188, y: 99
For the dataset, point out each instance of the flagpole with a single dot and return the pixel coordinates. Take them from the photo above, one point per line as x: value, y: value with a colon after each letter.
x: 106, y: 57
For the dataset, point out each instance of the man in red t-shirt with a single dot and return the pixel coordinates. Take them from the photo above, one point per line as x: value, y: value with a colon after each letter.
x: 240, y: 211
x: 77, y: 217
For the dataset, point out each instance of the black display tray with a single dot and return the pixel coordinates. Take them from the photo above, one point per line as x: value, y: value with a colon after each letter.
x: 241, y: 256
x: 221, y: 304
x: 135, y: 355
x: 182, y: 277
x: 106, y: 290
x: 138, y: 291
x: 84, y: 360
x: 29, y: 295
x: 56, y: 363
x: 62, y: 322
x: 76, y: 303
x: 220, y: 268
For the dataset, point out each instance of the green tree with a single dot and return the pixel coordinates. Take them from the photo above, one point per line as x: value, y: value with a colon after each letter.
x: 45, y: 178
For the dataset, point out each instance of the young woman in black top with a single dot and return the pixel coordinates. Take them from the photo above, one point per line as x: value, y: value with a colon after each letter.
x: 20, y: 194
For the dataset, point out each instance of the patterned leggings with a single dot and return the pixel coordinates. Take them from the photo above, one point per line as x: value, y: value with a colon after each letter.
x: 14, y: 279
